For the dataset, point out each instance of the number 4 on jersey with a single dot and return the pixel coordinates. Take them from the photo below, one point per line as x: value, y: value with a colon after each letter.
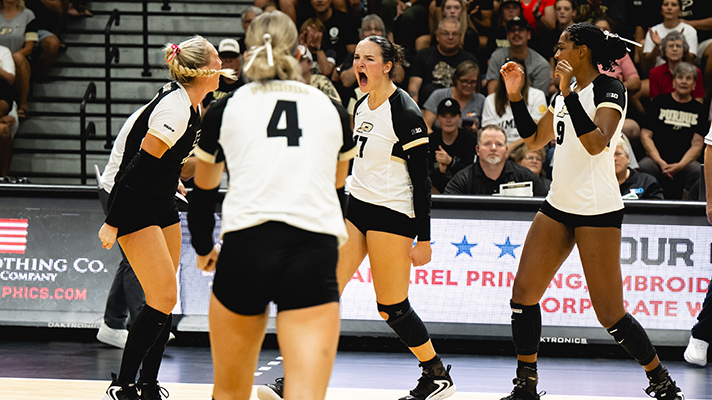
x: 292, y: 131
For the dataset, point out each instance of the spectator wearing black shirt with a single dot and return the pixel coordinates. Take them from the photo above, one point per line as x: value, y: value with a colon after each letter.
x: 433, y: 67
x: 634, y: 184
x: 492, y: 167
x: 673, y: 134
x: 451, y: 148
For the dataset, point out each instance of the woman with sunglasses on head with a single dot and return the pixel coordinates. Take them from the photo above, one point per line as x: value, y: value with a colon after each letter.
x: 584, y: 206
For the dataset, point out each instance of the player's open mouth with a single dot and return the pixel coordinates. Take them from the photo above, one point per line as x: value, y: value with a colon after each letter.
x: 362, y: 79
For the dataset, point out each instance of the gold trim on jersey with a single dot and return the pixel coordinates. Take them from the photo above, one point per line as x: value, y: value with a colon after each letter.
x: 349, y: 154
x: 416, y: 142
x: 612, y: 105
x: 399, y: 160
x: 165, y: 139
x: 204, y: 155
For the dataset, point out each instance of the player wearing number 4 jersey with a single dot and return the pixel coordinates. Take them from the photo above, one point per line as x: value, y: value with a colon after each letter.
x: 583, y: 208
x: 287, y: 148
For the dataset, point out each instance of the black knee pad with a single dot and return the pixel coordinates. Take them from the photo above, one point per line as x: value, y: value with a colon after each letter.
x: 526, y: 328
x: 406, y: 323
x: 633, y: 339
x: 147, y: 328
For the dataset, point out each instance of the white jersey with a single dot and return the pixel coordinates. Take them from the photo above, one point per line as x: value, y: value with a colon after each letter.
x: 583, y: 184
x: 170, y: 117
x: 380, y: 173
x: 281, y: 141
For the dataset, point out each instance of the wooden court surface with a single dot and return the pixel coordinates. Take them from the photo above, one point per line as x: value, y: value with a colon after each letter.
x: 64, y: 389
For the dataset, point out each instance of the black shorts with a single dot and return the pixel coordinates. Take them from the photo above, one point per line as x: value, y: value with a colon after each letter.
x: 276, y: 262
x: 369, y: 217
x: 150, y: 211
x: 613, y: 219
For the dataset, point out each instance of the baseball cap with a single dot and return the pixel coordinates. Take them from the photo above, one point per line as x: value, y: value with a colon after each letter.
x: 302, y: 52
x: 449, y: 106
x: 518, y: 21
x: 229, y: 48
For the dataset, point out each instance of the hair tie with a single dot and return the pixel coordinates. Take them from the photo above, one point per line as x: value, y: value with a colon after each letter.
x: 256, y: 50
x: 176, y: 50
x: 615, y: 35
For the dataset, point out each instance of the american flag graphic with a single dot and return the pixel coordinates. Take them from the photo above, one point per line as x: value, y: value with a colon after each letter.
x: 13, y: 235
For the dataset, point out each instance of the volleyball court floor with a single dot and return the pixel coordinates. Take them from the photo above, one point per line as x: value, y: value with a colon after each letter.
x: 41, y: 366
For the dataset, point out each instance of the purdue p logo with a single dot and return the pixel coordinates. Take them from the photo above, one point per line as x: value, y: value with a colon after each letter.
x: 365, y: 127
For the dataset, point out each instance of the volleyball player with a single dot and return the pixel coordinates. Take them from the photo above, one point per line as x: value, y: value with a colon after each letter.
x: 389, y: 204
x: 287, y: 147
x: 146, y: 162
x: 388, y: 207
x: 584, y: 206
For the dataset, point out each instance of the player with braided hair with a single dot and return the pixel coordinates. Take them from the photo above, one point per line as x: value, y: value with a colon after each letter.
x: 143, y: 174
x: 583, y: 208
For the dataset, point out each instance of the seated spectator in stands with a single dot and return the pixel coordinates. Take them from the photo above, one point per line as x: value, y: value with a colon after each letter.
x: 674, y: 50
x: 20, y: 36
x: 698, y: 14
x: 465, y: 90
x: 670, y: 10
x: 408, y: 20
x: 229, y: 53
x: 548, y: 43
x: 470, y: 37
x: 625, y: 72
x: 311, y: 35
x: 498, y: 111
x: 673, y: 133
x: 433, y: 67
x: 479, y: 12
x: 497, y: 39
x: 634, y: 184
x: 248, y: 15
x: 534, y: 161
x: 340, y: 32
x: 539, y: 70
x: 317, y: 80
x: 492, y: 168
x: 8, y: 124
x: 49, y: 17
x: 451, y: 148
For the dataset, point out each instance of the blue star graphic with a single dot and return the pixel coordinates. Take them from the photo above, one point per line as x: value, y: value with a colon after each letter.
x: 507, y: 248
x: 464, y: 247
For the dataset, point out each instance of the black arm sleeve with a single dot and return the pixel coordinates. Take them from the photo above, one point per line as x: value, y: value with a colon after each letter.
x: 524, y: 121
x: 128, y: 186
x: 201, y: 219
x: 418, y: 170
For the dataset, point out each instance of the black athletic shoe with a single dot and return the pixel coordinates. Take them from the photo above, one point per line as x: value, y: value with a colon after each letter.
x: 271, y: 391
x: 118, y: 391
x: 525, y: 386
x: 665, y: 390
x: 152, y: 391
x: 434, y: 384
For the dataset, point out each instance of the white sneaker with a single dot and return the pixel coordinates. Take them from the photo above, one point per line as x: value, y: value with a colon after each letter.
x: 111, y: 336
x: 696, y: 352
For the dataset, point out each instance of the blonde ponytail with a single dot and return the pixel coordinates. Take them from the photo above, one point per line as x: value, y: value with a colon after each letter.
x: 272, y: 40
x: 186, y: 60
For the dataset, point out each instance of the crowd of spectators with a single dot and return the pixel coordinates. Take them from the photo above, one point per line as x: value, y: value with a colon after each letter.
x: 455, y: 48
x: 29, y: 45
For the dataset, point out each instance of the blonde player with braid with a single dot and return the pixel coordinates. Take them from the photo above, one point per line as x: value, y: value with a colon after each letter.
x: 144, y: 169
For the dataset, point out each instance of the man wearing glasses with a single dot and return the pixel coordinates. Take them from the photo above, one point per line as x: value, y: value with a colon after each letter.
x: 433, y: 67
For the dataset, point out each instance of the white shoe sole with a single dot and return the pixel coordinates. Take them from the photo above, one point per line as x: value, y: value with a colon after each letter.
x: 695, y: 361
x: 444, y: 394
x: 265, y: 393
